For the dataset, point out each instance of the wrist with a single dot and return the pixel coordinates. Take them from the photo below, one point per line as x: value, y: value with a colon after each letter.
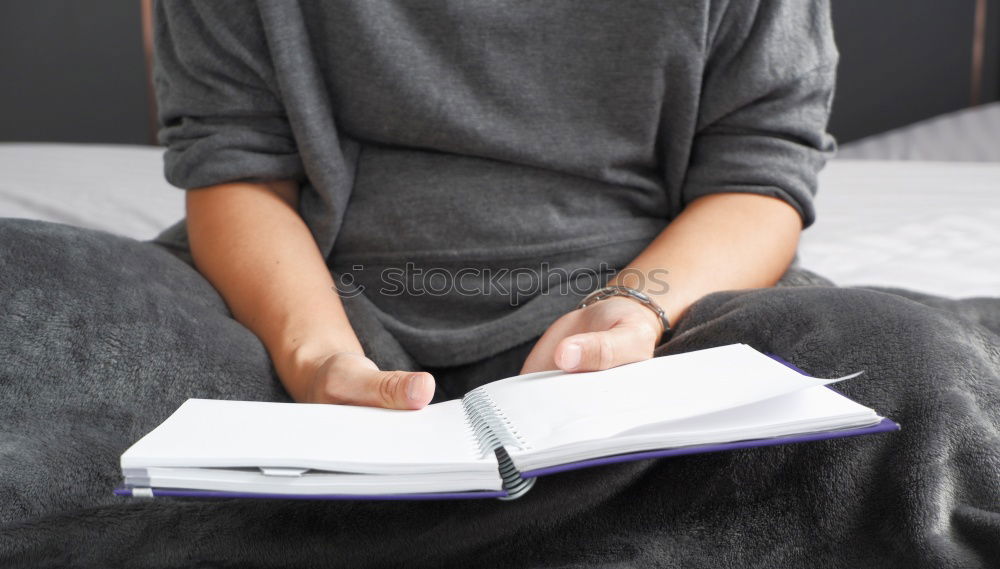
x: 650, y: 318
x: 646, y: 309
x: 673, y: 306
x: 674, y: 301
x: 298, y: 360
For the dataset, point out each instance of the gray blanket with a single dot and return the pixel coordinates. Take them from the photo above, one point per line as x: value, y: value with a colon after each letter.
x: 101, y: 338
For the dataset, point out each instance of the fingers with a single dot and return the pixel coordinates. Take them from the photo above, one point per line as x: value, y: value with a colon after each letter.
x: 389, y: 389
x: 402, y: 389
x: 594, y: 351
x: 540, y: 358
x: 365, y: 384
x: 620, y: 333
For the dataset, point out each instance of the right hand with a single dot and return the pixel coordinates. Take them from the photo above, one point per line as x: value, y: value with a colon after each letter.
x: 349, y: 378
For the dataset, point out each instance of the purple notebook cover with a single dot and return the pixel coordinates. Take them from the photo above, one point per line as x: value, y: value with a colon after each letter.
x: 884, y: 426
x: 178, y: 493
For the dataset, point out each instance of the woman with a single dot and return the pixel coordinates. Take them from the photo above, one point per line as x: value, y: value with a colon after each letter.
x: 403, y: 200
x: 375, y: 137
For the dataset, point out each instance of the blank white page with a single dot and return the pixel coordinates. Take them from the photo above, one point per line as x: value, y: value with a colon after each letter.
x: 215, y: 433
x: 550, y: 409
x: 819, y: 407
x: 809, y: 410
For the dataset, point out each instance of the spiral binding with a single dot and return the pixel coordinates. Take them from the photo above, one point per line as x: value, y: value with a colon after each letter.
x: 489, y: 423
x: 494, y: 431
x: 511, y: 476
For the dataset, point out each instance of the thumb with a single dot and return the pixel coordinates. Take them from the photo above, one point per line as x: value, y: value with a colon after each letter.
x: 594, y: 351
x: 398, y: 389
x: 358, y: 381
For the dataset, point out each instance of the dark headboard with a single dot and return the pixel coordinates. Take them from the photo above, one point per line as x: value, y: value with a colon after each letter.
x: 906, y: 60
x: 75, y: 71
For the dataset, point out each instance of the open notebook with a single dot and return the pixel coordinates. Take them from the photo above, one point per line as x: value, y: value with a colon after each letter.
x: 497, y: 439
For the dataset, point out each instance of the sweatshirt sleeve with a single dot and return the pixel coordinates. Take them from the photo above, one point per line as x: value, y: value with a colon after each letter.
x: 767, y: 90
x: 220, y: 113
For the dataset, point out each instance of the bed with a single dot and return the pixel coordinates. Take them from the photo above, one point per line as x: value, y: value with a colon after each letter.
x: 917, y: 207
x: 923, y: 497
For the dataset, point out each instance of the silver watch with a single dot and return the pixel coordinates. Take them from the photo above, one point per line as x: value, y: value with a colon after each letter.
x: 628, y: 292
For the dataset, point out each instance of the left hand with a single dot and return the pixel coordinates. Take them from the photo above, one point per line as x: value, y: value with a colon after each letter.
x: 608, y: 333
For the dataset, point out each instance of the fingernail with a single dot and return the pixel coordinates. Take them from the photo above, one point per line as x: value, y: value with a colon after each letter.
x: 571, y: 356
x: 414, y: 387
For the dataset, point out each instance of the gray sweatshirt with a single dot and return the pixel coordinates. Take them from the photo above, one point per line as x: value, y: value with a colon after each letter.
x: 471, y: 168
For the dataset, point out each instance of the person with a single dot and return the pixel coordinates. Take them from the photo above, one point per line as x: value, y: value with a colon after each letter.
x: 390, y: 203
x: 671, y: 150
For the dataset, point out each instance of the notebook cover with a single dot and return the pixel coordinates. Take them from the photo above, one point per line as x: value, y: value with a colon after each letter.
x: 884, y: 426
x: 179, y: 493
x: 881, y: 427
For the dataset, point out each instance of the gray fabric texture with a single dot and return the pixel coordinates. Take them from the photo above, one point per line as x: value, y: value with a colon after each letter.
x: 493, y: 135
x: 103, y: 337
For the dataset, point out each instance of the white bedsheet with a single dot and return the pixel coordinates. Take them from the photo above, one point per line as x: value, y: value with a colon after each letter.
x: 115, y: 188
x: 927, y: 226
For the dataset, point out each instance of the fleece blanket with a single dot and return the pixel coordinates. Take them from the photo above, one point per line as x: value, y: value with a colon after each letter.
x: 101, y: 338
